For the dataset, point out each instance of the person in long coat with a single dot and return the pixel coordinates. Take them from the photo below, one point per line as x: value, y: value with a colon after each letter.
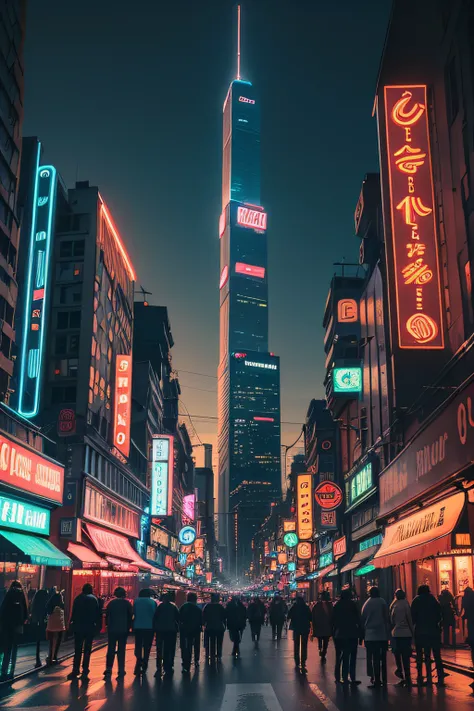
x: 322, y: 623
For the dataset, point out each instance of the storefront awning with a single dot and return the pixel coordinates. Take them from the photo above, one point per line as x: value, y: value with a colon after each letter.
x: 115, y: 545
x: 38, y: 551
x: 424, y: 534
x: 86, y: 556
x: 359, y: 557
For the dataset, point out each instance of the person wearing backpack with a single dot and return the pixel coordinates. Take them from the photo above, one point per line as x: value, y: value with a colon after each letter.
x: 13, y: 615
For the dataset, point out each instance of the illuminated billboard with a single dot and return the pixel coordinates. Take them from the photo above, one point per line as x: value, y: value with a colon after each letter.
x: 304, y: 503
x: 123, y: 403
x: 37, y: 289
x: 347, y: 380
x: 414, y: 241
x: 250, y: 270
x: 253, y: 219
x: 162, y: 463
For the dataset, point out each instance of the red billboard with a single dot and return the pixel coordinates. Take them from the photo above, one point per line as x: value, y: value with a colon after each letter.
x: 414, y: 241
x: 123, y: 403
x: 250, y: 270
x: 24, y: 469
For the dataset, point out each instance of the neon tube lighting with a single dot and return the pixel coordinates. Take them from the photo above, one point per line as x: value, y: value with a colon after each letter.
x: 118, y: 240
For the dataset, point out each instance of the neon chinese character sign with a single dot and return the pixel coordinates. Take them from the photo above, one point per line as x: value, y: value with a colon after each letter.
x: 37, y: 289
x: 162, y: 467
x: 123, y: 405
x: 253, y: 219
x: 304, y: 502
x: 415, y: 250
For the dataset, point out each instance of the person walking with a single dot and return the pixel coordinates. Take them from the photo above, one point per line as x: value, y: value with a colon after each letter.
x: 402, y: 634
x: 190, y: 627
x: 467, y: 613
x: 214, y: 620
x: 376, y: 629
x: 166, y: 626
x: 322, y: 623
x: 236, y: 617
x: 118, y: 618
x: 38, y: 620
x: 144, y: 608
x: 256, y: 618
x: 56, y: 626
x: 277, y: 613
x: 85, y: 622
x: 13, y: 615
x: 448, y: 611
x: 346, y: 632
x: 427, y: 616
x: 300, y: 622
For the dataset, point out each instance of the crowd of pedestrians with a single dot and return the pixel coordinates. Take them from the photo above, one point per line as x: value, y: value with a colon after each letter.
x: 376, y: 626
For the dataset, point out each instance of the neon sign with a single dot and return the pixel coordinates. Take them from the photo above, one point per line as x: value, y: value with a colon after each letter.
x: 250, y: 270
x: 414, y: 242
x: 23, y: 516
x: 222, y: 224
x: 347, y: 380
x: 37, y: 289
x: 328, y: 495
x: 254, y: 364
x: 253, y: 219
x: 304, y: 503
x: 187, y: 535
x: 188, y: 507
x: 162, y: 467
x: 122, y: 409
x: 290, y: 539
x: 264, y: 419
x: 347, y: 310
x: 245, y: 100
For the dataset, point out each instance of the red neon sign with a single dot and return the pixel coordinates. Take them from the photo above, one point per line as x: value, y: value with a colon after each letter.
x: 122, y: 409
x: 264, y: 419
x: 250, y: 270
x: 253, y: 219
x: 245, y: 100
x: 414, y: 242
x: 24, y: 469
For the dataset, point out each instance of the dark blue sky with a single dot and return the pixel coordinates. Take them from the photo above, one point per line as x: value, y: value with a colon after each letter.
x: 129, y: 96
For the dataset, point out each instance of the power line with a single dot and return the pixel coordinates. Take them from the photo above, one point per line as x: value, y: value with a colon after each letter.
x: 192, y: 372
x: 190, y: 420
x: 191, y: 387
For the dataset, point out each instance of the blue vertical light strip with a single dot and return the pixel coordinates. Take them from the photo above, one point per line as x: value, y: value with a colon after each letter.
x: 37, y: 289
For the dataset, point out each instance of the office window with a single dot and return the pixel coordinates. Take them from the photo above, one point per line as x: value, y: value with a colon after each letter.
x: 61, y: 395
x: 68, y: 319
x: 69, y: 271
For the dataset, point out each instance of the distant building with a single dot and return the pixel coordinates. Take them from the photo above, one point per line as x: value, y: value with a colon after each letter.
x: 248, y: 375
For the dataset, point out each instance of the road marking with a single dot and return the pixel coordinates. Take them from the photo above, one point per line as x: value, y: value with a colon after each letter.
x: 330, y: 706
x: 239, y: 697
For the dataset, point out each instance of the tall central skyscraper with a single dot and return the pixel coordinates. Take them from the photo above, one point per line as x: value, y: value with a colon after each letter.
x: 248, y: 375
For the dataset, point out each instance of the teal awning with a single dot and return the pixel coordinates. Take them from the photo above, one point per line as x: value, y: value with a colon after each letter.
x: 39, y: 551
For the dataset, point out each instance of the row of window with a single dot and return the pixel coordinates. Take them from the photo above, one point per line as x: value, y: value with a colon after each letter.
x: 112, y: 477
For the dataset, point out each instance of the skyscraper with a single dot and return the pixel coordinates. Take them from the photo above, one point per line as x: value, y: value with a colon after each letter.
x: 248, y: 375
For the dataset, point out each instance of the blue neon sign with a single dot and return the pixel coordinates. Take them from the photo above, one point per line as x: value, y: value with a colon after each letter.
x: 37, y: 289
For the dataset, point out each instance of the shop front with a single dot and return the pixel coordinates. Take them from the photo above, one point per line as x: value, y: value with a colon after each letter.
x: 31, y: 486
x: 427, y: 503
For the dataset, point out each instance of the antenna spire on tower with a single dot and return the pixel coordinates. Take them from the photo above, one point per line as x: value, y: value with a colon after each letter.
x: 238, y: 41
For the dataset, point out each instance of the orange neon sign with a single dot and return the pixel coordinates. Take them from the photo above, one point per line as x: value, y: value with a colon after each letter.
x: 304, y: 502
x: 347, y: 310
x: 414, y: 241
x: 123, y: 404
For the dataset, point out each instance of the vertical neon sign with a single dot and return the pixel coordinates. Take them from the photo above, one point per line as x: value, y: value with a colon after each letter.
x: 162, y: 469
x: 123, y: 405
x: 37, y: 289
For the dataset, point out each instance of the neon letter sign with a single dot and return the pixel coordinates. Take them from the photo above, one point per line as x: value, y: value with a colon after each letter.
x: 414, y: 242
x: 250, y: 270
x: 37, y: 289
x: 254, y: 219
x: 162, y: 467
x: 122, y: 410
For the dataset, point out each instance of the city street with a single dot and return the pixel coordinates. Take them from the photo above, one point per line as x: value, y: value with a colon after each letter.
x: 263, y: 680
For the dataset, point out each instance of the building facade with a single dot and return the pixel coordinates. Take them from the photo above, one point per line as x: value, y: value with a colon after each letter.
x: 248, y: 375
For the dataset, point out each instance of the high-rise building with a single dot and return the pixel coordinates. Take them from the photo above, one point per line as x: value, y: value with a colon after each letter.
x: 12, y: 29
x: 248, y: 375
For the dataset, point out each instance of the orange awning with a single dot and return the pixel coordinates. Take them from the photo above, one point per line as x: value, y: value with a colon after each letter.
x: 115, y: 545
x: 424, y: 534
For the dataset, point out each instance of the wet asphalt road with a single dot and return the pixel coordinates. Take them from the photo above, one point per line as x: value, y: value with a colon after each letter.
x: 260, y: 680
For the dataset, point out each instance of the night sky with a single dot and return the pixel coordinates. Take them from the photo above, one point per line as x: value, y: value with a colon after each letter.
x: 129, y: 96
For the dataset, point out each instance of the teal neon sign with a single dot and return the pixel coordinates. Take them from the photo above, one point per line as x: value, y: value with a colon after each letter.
x: 290, y: 539
x: 347, y: 380
x: 23, y: 516
x: 37, y: 289
x: 365, y: 569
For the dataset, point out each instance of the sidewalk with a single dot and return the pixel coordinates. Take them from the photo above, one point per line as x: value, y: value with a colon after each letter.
x: 26, y: 658
x: 458, y: 659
